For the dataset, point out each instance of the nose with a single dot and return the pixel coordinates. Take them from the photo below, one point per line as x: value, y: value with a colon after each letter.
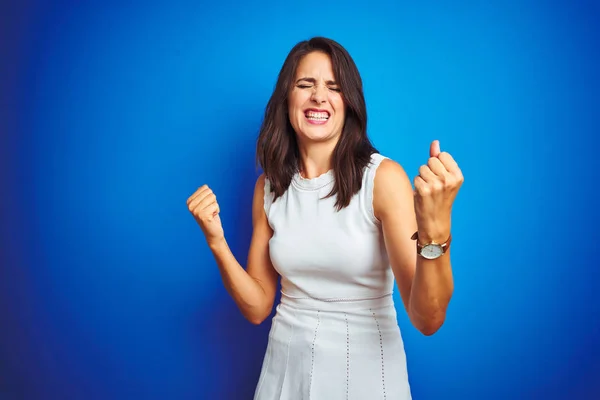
x: 319, y: 94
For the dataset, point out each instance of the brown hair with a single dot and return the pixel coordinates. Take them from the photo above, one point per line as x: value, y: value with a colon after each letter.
x: 277, y: 151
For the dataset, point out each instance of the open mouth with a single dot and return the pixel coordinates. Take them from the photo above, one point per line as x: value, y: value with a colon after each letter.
x: 317, y: 116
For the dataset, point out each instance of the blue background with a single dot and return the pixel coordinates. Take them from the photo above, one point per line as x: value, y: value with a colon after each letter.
x: 112, y: 114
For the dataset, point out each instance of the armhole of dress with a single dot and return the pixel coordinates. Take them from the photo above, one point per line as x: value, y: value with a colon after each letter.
x: 370, y: 173
x: 267, y: 198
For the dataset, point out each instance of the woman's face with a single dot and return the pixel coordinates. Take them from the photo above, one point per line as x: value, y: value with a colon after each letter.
x: 315, y: 105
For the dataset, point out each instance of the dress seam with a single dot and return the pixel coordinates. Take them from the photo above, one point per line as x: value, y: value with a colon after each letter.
x: 337, y: 299
x: 287, y: 359
x: 382, y: 356
x: 312, y: 364
x: 267, y: 362
x: 347, y: 357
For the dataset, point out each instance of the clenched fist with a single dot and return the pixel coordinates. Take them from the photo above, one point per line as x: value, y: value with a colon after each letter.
x: 205, y: 209
x: 436, y: 187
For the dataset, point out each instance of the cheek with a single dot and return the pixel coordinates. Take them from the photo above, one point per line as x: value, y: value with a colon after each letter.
x: 295, y: 107
x: 296, y: 100
x: 339, y: 106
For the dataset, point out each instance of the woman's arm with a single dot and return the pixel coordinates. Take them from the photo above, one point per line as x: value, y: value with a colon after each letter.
x: 253, y: 289
x: 426, y: 286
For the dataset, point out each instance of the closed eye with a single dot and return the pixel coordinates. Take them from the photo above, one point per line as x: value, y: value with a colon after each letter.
x: 337, y: 90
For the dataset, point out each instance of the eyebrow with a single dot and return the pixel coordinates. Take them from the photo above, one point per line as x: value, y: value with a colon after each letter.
x: 313, y: 80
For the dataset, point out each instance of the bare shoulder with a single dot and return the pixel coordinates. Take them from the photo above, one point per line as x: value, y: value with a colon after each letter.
x: 390, y: 171
x: 258, y: 201
x: 390, y: 178
x: 392, y: 188
x: 260, y: 183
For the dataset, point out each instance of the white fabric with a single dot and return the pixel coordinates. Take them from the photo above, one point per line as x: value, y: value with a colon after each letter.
x: 335, y: 333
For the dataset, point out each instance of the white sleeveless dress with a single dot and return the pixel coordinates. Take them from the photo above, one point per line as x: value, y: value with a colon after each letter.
x: 334, y: 335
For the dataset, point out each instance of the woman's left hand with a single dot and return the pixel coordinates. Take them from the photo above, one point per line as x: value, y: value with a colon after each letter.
x: 436, y: 187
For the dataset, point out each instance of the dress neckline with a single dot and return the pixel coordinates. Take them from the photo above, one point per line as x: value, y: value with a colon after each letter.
x: 313, y: 183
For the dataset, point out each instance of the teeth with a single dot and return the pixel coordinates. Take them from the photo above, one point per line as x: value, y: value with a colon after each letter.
x: 320, y: 116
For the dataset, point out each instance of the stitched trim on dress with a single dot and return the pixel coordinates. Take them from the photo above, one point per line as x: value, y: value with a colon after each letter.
x: 382, y: 357
x: 347, y: 357
x: 312, y: 361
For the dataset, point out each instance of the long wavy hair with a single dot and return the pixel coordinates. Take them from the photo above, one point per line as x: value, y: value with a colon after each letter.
x: 277, y: 150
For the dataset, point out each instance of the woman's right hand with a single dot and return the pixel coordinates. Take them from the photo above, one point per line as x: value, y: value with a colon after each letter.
x: 205, y: 209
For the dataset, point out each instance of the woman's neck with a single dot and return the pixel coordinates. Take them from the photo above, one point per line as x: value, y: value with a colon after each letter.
x: 316, y: 159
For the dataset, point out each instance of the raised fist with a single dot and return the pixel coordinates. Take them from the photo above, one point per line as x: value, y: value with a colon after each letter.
x: 205, y: 209
x: 436, y: 187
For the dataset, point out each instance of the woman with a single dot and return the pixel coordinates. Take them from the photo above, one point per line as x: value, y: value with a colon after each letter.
x: 338, y: 222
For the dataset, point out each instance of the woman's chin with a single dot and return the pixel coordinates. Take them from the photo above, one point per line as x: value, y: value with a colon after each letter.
x: 316, y: 136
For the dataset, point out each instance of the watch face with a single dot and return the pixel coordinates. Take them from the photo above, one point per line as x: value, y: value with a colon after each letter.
x: 432, y: 251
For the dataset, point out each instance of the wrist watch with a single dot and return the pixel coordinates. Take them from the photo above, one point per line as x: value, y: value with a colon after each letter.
x: 431, y: 250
